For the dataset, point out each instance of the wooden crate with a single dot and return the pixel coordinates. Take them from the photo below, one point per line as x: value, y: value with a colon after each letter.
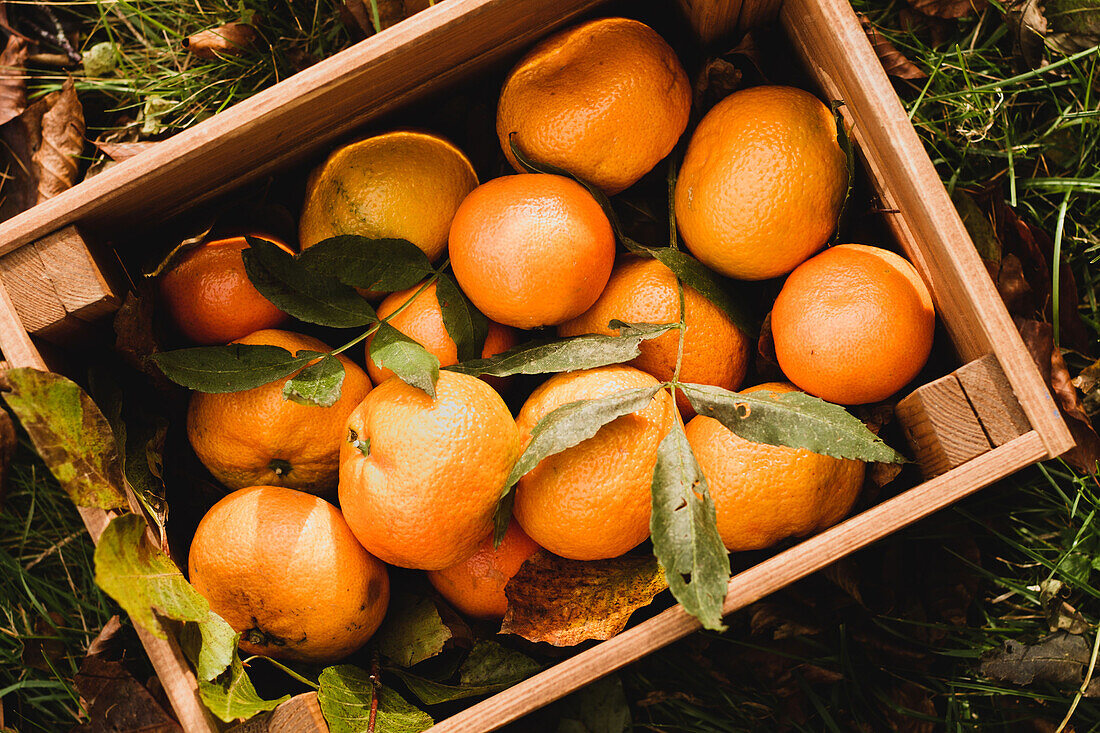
x: 982, y: 423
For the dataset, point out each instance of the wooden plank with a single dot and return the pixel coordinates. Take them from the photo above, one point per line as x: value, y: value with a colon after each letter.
x: 712, y: 19
x: 941, y: 426
x: 829, y: 38
x: 989, y: 393
x: 299, y: 714
x: 25, y: 278
x: 748, y: 587
x: 15, y: 342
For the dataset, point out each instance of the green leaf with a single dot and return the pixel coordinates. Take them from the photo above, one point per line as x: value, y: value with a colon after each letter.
x: 382, y: 265
x: 232, y: 696
x: 411, y: 362
x: 684, y: 529
x: 599, y: 707
x: 70, y: 433
x: 431, y: 692
x: 565, y: 427
x: 567, y: 355
x: 793, y: 419
x: 849, y: 149
x: 466, y: 325
x: 491, y: 663
x: 301, y: 293
x: 210, y: 645
x: 231, y: 368
x: 413, y: 630
x: 601, y: 198
x: 714, y: 288
x: 345, y: 696
x: 142, y: 579
x: 317, y: 384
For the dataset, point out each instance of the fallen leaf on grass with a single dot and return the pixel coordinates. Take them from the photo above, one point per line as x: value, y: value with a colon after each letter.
x: 894, y: 62
x: 1060, y: 615
x: 564, y: 602
x: 949, y: 9
x: 1059, y: 659
x: 231, y: 39
x: 13, y: 89
x: 56, y: 158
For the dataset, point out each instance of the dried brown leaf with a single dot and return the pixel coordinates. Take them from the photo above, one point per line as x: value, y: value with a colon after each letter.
x: 9, y: 442
x: 231, y: 39
x: 781, y: 620
x: 1060, y: 615
x: 564, y: 602
x: 894, y: 62
x: 1088, y: 382
x: 55, y: 161
x: 121, y: 151
x: 716, y: 80
x: 949, y: 9
x: 13, y: 88
x: 1059, y: 659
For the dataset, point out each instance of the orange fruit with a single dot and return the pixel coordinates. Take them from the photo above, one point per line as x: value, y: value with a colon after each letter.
x: 420, y: 478
x: 592, y: 501
x: 716, y: 352
x: 766, y: 493
x: 422, y: 321
x: 853, y: 325
x: 475, y: 586
x: 210, y: 298
x: 605, y: 100
x: 400, y: 185
x: 256, y: 437
x: 531, y: 250
x: 283, y: 569
x: 762, y: 182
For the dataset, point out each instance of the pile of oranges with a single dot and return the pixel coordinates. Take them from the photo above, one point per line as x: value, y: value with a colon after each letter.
x: 417, y: 479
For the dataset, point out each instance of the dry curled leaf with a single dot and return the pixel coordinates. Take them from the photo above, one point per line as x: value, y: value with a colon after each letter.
x: 894, y: 62
x: 1059, y: 659
x: 231, y: 39
x: 55, y: 161
x: 13, y: 89
x: 949, y: 9
x: 716, y: 80
x: 564, y: 602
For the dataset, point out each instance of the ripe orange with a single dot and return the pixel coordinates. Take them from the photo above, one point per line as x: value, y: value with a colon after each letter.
x: 210, y: 298
x: 765, y: 493
x: 420, y: 478
x: 282, y: 568
x: 422, y: 321
x: 644, y: 291
x: 256, y: 437
x: 531, y: 250
x: 605, y: 100
x: 475, y: 586
x: 592, y: 501
x: 853, y: 325
x: 402, y: 185
x: 762, y: 182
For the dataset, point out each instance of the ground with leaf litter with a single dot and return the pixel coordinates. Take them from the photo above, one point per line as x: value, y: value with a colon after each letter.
x: 999, y: 630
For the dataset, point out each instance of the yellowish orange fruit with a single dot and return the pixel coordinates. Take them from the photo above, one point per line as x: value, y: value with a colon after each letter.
x: 256, y: 437
x: 401, y: 185
x: 592, y: 501
x: 283, y: 569
x: 762, y: 182
x: 765, y: 493
x: 421, y: 478
x: 605, y: 100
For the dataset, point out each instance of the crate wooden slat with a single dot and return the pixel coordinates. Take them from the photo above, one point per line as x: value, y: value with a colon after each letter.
x: 307, y: 112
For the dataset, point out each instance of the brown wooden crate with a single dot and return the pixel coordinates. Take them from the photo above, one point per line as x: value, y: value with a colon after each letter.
x: 308, y: 111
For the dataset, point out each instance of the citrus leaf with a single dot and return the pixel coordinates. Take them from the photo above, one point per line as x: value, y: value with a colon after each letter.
x: 466, y: 325
x: 142, y: 579
x: 565, y: 427
x: 231, y: 696
x: 684, y: 529
x: 411, y: 362
x: 845, y: 142
x: 431, y: 692
x: 231, y: 368
x: 413, y: 630
x: 382, y: 265
x: 793, y: 419
x: 567, y: 355
x: 533, y: 166
x: 301, y: 293
x: 345, y: 696
x: 490, y: 663
x: 564, y: 602
x: 317, y: 384
x: 70, y: 433
x: 714, y: 288
x: 210, y: 645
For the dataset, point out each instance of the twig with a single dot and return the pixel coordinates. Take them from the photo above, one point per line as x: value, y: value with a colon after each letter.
x: 54, y: 548
x: 375, y: 684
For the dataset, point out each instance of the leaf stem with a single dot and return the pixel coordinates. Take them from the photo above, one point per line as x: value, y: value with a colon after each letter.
x: 375, y: 683
x: 366, y: 334
x: 284, y: 668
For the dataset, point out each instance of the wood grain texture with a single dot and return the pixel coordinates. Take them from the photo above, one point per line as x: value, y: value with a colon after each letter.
x: 299, y: 714
x: 714, y: 20
x: 989, y: 393
x: 831, y: 41
x: 15, y: 343
x: 747, y: 587
x: 941, y: 426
